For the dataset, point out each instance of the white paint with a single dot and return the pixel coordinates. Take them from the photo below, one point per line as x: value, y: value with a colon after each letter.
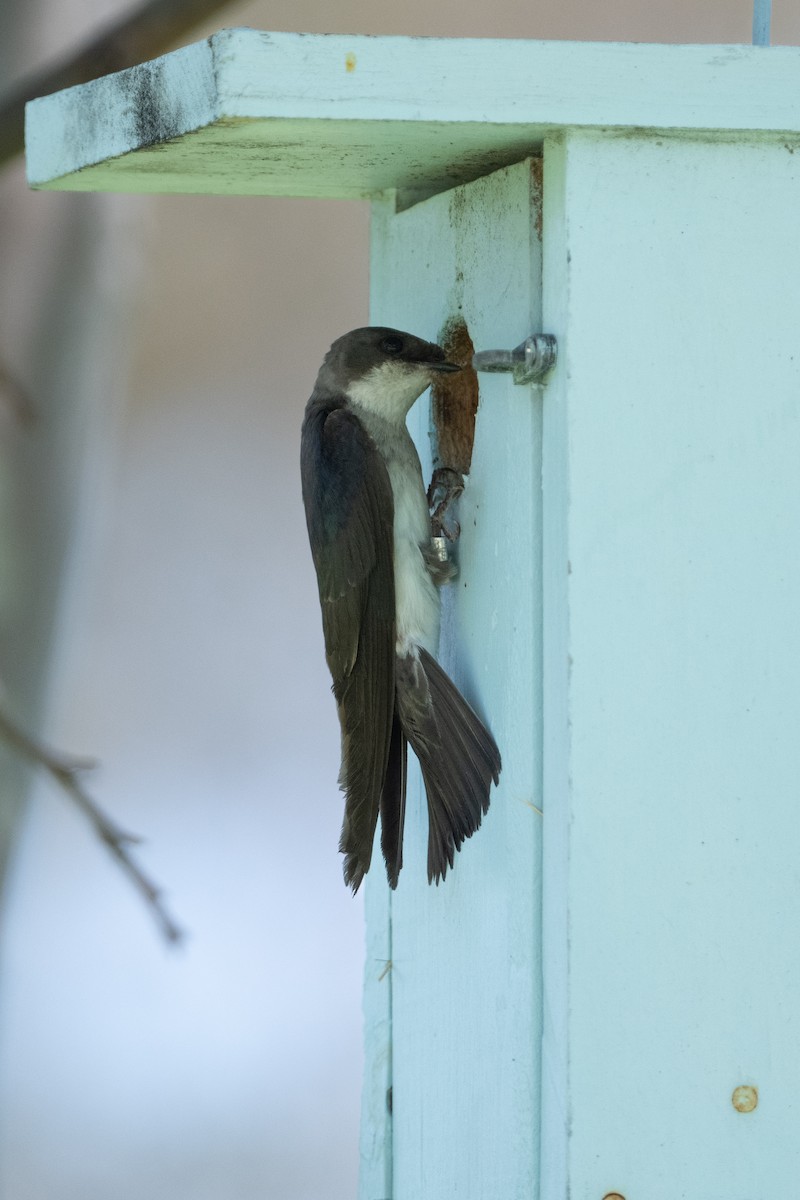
x: 250, y: 112
x: 461, y: 1001
x: 671, y: 450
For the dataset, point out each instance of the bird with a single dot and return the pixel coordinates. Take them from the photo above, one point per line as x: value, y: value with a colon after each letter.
x: 379, y: 578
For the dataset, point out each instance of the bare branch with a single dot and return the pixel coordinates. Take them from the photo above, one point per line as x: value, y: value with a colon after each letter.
x: 150, y: 30
x: 67, y: 772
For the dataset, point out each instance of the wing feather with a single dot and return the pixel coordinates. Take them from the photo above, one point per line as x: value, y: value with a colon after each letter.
x: 350, y: 515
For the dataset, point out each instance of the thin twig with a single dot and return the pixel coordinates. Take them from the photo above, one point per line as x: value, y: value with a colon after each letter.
x: 148, y: 31
x: 67, y: 771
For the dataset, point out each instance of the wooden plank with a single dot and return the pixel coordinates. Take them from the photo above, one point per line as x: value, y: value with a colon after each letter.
x: 465, y: 978
x: 375, y: 1142
x: 248, y: 112
x: 671, y: 444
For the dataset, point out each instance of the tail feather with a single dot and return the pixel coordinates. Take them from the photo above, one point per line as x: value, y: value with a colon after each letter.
x: 458, y: 756
x: 365, y: 700
x: 393, y: 803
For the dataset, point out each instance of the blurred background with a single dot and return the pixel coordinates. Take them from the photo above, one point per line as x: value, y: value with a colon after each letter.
x: 158, y: 612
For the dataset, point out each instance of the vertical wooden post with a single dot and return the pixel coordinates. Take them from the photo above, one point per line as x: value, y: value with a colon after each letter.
x: 463, y: 993
x: 672, y: 660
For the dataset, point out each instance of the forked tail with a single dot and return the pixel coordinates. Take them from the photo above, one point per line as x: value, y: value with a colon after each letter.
x: 458, y: 756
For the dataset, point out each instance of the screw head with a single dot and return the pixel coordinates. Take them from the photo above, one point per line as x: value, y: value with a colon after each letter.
x: 744, y: 1098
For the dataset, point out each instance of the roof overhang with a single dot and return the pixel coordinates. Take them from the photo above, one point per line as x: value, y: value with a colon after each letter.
x: 287, y: 114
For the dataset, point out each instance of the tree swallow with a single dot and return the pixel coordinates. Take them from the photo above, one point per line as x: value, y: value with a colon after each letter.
x: 370, y: 533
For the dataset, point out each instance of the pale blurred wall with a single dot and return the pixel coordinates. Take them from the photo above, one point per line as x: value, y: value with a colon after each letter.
x: 170, y: 344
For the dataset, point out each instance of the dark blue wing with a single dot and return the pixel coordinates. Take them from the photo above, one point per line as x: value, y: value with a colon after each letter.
x: 350, y: 515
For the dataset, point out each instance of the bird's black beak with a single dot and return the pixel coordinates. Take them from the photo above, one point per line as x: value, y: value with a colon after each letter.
x: 447, y: 367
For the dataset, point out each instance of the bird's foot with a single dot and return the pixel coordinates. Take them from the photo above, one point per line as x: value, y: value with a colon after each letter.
x: 445, y: 488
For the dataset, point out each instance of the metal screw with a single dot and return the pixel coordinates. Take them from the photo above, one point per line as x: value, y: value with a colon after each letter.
x: 440, y: 549
x: 744, y: 1098
x: 529, y: 362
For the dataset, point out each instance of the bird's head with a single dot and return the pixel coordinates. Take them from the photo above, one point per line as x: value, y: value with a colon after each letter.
x: 381, y: 369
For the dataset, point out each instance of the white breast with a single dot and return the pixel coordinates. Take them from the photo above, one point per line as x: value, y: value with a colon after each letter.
x: 416, y: 596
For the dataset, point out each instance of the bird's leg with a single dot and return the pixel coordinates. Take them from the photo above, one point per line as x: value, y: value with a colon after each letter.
x: 446, y: 486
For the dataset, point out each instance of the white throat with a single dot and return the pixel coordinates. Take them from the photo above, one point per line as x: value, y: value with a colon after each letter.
x: 390, y: 389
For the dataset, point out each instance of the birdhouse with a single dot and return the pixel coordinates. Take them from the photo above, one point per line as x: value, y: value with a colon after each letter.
x: 600, y: 998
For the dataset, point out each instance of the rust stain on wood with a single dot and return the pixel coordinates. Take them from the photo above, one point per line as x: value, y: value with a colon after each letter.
x: 454, y: 400
x: 537, y: 178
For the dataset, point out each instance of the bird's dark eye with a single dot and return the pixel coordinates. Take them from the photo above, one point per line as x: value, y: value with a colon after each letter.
x: 392, y: 345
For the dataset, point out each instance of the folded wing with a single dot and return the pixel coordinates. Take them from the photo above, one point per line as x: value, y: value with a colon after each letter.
x: 349, y: 512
